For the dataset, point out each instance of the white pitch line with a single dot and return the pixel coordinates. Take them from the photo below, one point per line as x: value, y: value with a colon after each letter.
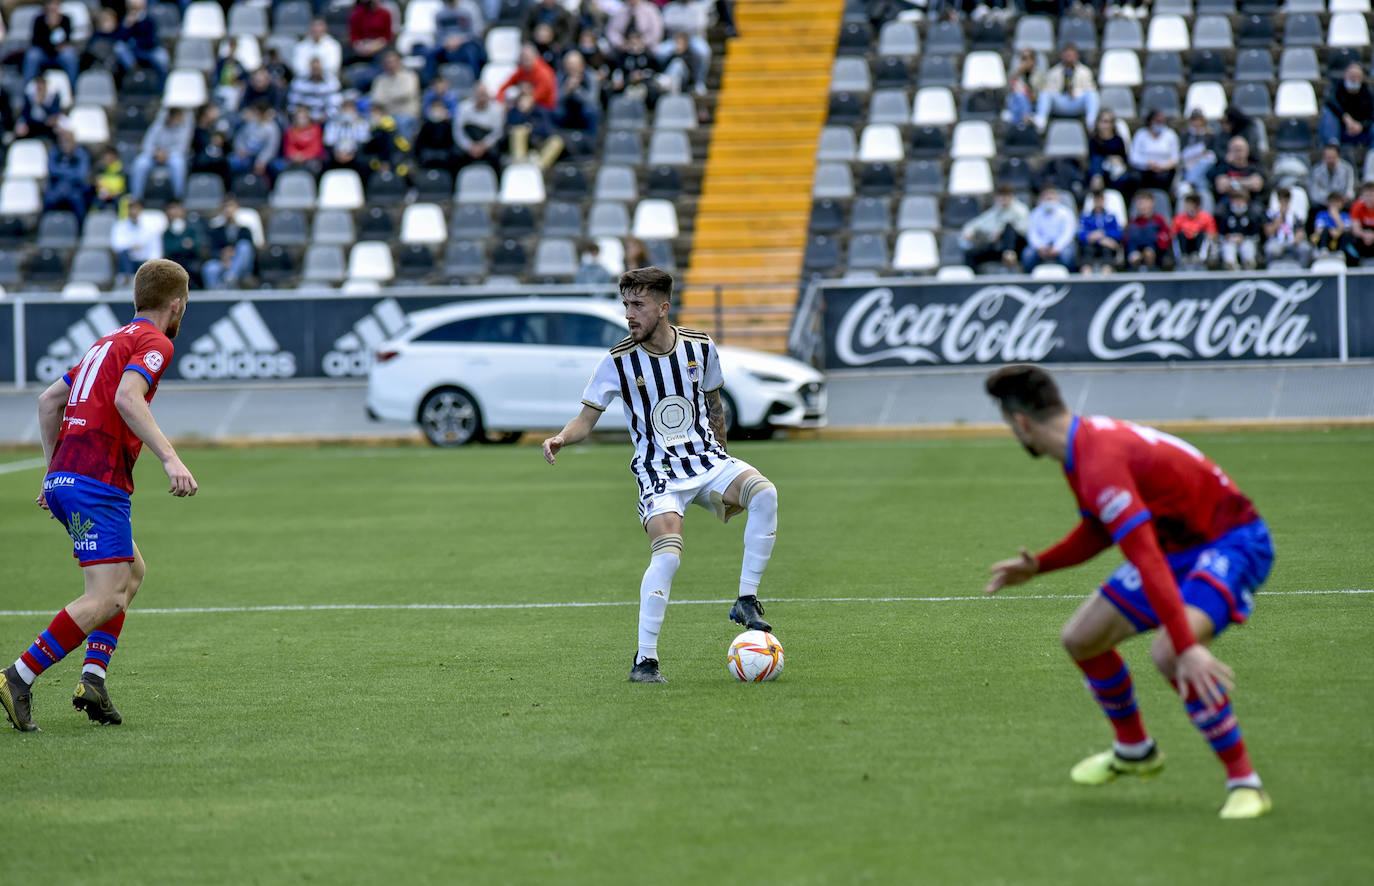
x: 23, y: 465
x: 403, y: 607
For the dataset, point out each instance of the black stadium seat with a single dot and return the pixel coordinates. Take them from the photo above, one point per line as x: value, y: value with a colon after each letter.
x: 845, y: 109
x: 826, y: 217
x: 856, y: 38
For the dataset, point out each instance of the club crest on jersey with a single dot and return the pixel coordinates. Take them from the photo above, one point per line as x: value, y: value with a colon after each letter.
x: 694, y: 371
x: 77, y: 527
x: 153, y: 360
x: 1112, y: 503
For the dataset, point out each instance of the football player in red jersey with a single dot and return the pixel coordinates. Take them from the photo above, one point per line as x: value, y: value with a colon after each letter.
x: 94, y: 421
x: 1195, y: 551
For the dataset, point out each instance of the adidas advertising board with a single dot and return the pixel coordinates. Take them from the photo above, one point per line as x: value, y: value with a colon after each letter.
x: 238, y: 345
x: 7, y: 367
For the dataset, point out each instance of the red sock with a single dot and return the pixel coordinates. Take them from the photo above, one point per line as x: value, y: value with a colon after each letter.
x: 1219, y: 727
x: 51, y: 646
x: 100, y: 645
x: 1109, y: 680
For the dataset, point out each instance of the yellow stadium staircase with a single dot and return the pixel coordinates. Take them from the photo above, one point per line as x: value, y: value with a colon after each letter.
x: 755, y: 205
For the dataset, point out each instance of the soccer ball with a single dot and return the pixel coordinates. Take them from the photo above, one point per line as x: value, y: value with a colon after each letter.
x: 755, y: 656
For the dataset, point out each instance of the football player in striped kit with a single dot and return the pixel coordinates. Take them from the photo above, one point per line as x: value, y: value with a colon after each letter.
x: 669, y: 381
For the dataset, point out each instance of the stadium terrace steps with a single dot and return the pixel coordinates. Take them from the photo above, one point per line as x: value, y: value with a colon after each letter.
x: 750, y: 226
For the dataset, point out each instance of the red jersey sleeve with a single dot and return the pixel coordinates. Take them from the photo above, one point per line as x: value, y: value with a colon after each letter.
x: 150, y: 358
x: 1086, y: 541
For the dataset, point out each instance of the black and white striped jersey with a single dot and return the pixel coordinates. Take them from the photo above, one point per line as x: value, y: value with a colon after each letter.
x: 665, y: 403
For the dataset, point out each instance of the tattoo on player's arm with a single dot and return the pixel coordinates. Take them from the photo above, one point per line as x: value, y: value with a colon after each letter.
x: 715, y: 413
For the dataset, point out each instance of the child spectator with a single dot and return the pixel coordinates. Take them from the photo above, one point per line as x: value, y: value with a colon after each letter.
x: 1195, y: 233
x: 1099, y: 237
x: 1148, y: 242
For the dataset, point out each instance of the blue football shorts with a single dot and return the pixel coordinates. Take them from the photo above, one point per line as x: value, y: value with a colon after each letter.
x: 97, y: 516
x: 1219, y: 577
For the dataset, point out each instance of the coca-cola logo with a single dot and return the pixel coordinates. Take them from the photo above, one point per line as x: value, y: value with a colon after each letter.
x: 1228, y: 324
x: 872, y: 329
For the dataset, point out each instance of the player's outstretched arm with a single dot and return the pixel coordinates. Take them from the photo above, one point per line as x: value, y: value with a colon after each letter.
x: 136, y: 414
x: 574, y: 431
x: 1011, y: 572
x: 52, y: 403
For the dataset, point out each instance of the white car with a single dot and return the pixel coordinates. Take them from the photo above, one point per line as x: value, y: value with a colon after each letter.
x: 491, y: 369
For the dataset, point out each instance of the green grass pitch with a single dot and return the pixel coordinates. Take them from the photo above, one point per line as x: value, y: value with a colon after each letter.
x: 906, y: 741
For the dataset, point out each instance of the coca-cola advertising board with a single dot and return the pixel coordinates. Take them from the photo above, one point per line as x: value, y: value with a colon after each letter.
x: 1139, y: 319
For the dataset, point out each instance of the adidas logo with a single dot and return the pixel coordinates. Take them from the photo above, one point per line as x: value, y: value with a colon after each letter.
x: 62, y: 354
x: 352, y: 353
x: 238, y: 345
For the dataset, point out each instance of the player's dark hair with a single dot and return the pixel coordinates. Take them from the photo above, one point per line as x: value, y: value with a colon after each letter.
x: 648, y: 281
x: 158, y: 283
x: 1026, y: 389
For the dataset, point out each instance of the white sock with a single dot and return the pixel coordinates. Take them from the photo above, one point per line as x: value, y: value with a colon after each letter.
x: 25, y: 674
x: 1245, y: 781
x: 654, y: 591
x: 760, y: 532
x: 1137, y: 750
x: 94, y: 669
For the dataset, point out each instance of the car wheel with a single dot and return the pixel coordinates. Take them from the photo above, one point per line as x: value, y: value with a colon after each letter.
x: 502, y: 438
x: 450, y: 417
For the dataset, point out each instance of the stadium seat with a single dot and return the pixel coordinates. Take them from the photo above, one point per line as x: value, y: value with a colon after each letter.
x: 423, y: 223
x: 168, y: 19
x: 433, y: 185
x: 96, y: 87
x: 856, y: 38
x: 94, y: 266
x: 1296, y: 98
x: 1256, y: 31
x: 27, y: 158
x: 386, y: 188
x: 291, y: 18
x: 899, y: 38
x: 831, y: 180
x: 868, y: 251
x: 1174, y: 7
x: 1120, y: 67
x: 915, y: 251
x: 555, y: 257
x: 1212, y: 32
x: 1066, y: 138
x: 845, y: 109
x: 837, y: 143
x: 850, y: 74
x: 503, y: 45
x: 608, y: 220
x: 944, y: 38
x: 377, y: 224
x: 877, y: 178
x: 414, y: 262
x: 972, y: 176
x: 340, y: 189
x: 477, y: 184
x: 1034, y: 32
x: 371, y: 260
x: 955, y: 273
x: 421, y: 16
x: 80, y: 290
x: 1050, y: 271
x: 295, y: 189
x: 656, y: 220
x: 623, y: 147
x: 1209, y: 97
x: 1295, y: 135
x: 1167, y: 33
x: 988, y: 32
x: 675, y: 112
x: 1163, y: 67
x: 10, y: 274
x: 203, y: 19
x: 464, y: 261
x: 1348, y: 29
x: 1120, y: 101
x: 891, y: 71
x: 333, y: 227
x: 1021, y: 140
x: 57, y: 230
x: 95, y: 233
x: 562, y: 220
x: 937, y: 70
x: 661, y: 254
x: 360, y: 287
x: 508, y: 257
x: 984, y: 70
x: 1081, y: 32
x: 276, y: 264
x: 958, y: 210
x: 973, y: 138
x: 89, y: 124
x: 1299, y: 63
x: 889, y: 106
x: 934, y: 106
x: 918, y: 211
x: 616, y: 183
x: 1252, y: 99
x: 568, y: 182
x: 1123, y: 33
x: 515, y: 221
x: 822, y: 254
x: 672, y: 148
x: 1255, y: 65
x: 186, y: 88
x: 20, y: 196
x: 247, y: 217
x: 288, y: 227
x: 626, y: 112
x: 522, y: 183
x: 869, y: 214
x: 1349, y: 6
x: 922, y: 177
x: 880, y: 143
x: 1016, y: 172
x: 1292, y: 6
x: 247, y: 20
x: 493, y: 75
x: 1160, y: 97
x: 826, y: 217
x: 1304, y: 29
x: 44, y: 268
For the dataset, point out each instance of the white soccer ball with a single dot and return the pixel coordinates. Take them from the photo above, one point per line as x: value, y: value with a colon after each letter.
x: 755, y: 656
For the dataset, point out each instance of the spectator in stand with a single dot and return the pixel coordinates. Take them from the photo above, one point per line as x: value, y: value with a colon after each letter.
x: 442, y: 91
x: 998, y: 233
x: 1069, y: 90
x: 1283, y: 232
x: 638, y: 17
x: 1050, y: 232
x: 544, y: 45
x: 1237, y: 174
x: 1235, y: 123
x: 1195, y: 233
x: 211, y: 147
x: 479, y: 128
x: 41, y: 113
x: 456, y: 48
x: 637, y: 71
x: 1107, y: 155
x: 1198, y: 153
x: 1331, y: 176
x: 348, y: 127
x: 69, y: 174
x: 278, y: 70
x: 1155, y: 154
x: 464, y: 17
x: 1240, y: 227
x: 137, y: 45
x: 231, y: 245
x: 681, y: 67
x: 262, y: 91
x: 388, y: 149
x: 1023, y: 84
x: 1362, y: 221
x: 100, y: 50
x: 111, y: 190
x: 303, y: 143
x: 51, y: 44
x: 183, y: 242
x: 1331, y: 232
x: 1348, y: 110
x: 317, y: 44
x: 593, y: 50
x: 579, y: 95
x: 134, y: 239
x: 529, y: 127
x: 535, y: 71
x: 636, y: 254
x: 590, y: 271
x: 1147, y: 241
x: 1099, y: 237
x: 167, y: 144
x: 230, y: 82
x: 434, y: 146
x: 396, y: 92
x: 551, y: 13
x: 257, y: 144
x: 316, y: 92
x: 685, y: 39
x: 370, y: 30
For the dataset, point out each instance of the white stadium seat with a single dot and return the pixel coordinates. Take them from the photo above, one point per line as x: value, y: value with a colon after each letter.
x: 340, y: 189
x: 1050, y: 271
x: 90, y: 124
x: 954, y: 273
x: 1348, y: 29
x: 522, y: 183
x: 970, y: 176
x: 934, y: 106
x: 1295, y: 98
x: 915, y: 251
x: 973, y: 138
x: 984, y: 70
x: 27, y: 158
x: 503, y: 46
x: 203, y: 19
x: 1209, y: 97
x: 20, y: 196
x: 370, y: 260
x: 881, y: 143
x: 185, y: 89
x: 424, y: 223
x: 655, y: 220
x: 1120, y: 67
x: 1168, y: 33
